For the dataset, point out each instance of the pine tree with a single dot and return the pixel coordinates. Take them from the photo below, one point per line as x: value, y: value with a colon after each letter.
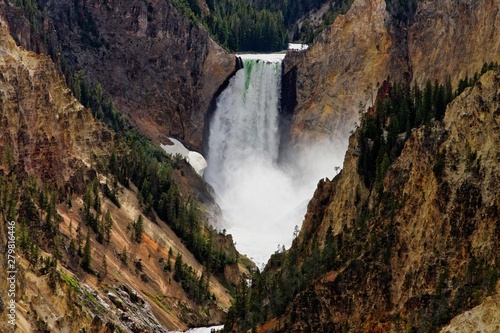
x: 87, y: 255
x: 100, y: 230
x: 72, y: 248
x: 139, y: 229
x: 440, y: 102
x: 124, y: 256
x: 8, y: 157
x: 34, y: 254
x: 203, y: 285
x: 104, y: 266
x: 419, y: 112
x: 241, y: 299
x: 178, y: 268
x: 57, y: 250
x: 170, y: 253
x: 48, y: 219
x: 79, y: 239
x: 23, y: 235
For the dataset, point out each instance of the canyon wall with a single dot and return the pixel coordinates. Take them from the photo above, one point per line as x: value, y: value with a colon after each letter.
x: 421, y: 251
x: 45, y: 130
x: 339, y: 74
x: 160, y: 69
x: 52, y: 149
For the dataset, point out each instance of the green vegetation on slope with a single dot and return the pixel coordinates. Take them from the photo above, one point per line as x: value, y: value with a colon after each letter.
x: 136, y: 160
x: 399, y: 109
x: 150, y: 169
x: 260, y: 25
x: 294, y: 10
x: 239, y: 25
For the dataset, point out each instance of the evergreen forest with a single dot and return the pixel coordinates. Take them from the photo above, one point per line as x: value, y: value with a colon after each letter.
x: 260, y: 25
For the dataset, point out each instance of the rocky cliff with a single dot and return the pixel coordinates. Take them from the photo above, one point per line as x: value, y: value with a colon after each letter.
x: 160, y: 69
x: 412, y: 41
x: 54, y: 163
x: 338, y: 70
x: 45, y: 130
x: 412, y: 255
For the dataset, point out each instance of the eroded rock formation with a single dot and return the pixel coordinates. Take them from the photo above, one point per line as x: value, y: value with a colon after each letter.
x: 45, y: 130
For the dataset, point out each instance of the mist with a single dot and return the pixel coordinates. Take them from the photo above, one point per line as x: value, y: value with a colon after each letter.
x: 262, y: 200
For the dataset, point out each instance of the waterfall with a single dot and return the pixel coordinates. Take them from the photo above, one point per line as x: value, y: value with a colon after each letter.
x: 261, y: 200
x: 244, y: 128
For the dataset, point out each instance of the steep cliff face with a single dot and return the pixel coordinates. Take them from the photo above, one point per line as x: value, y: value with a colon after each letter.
x: 421, y: 251
x: 411, y: 41
x: 160, y: 69
x: 45, y: 130
x: 450, y: 38
x: 340, y: 70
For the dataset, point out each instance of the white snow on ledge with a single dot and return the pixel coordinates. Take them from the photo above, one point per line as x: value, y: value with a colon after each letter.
x: 297, y: 47
x: 201, y: 329
x: 195, y: 159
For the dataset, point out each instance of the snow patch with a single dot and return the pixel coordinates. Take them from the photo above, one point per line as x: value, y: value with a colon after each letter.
x: 297, y: 47
x: 195, y: 159
x: 266, y: 57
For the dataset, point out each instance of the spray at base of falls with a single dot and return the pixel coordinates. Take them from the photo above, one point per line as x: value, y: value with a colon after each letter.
x: 262, y: 200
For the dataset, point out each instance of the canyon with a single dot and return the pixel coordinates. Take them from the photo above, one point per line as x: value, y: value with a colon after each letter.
x: 414, y: 250
x: 422, y: 250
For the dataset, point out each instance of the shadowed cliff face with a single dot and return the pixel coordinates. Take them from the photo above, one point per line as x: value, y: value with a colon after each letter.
x: 160, y: 69
x: 411, y: 41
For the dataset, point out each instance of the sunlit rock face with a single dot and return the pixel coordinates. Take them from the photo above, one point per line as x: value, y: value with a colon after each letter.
x: 45, y: 130
x: 421, y: 242
x: 337, y: 76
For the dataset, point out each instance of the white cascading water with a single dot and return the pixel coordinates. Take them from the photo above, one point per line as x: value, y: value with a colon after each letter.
x: 245, y: 124
x: 261, y: 200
